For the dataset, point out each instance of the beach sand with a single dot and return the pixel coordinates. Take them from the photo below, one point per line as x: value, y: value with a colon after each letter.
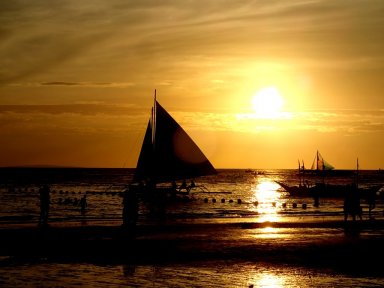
x: 354, y: 248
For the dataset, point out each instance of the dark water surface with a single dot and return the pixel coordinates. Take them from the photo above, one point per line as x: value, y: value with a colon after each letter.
x: 235, y: 196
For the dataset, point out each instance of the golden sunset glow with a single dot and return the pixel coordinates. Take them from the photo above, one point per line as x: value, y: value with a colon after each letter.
x: 255, y: 84
x: 267, y: 103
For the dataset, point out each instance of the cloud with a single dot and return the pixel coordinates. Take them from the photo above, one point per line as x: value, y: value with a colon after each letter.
x: 345, y: 122
x: 58, y: 83
x: 86, y: 84
x: 80, y: 108
x: 42, y: 37
x: 211, y: 48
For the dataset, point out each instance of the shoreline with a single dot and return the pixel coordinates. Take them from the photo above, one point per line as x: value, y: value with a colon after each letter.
x: 346, y: 247
x: 297, y: 221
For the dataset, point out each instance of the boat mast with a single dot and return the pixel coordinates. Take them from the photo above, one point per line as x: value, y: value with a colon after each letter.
x: 153, y: 176
x: 154, y: 122
x: 317, y: 160
x: 357, y: 172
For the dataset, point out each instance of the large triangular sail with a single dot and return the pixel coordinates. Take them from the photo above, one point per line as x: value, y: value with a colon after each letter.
x: 144, y: 163
x: 168, y: 153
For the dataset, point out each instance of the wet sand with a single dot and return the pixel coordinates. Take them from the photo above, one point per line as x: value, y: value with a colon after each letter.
x: 344, y: 247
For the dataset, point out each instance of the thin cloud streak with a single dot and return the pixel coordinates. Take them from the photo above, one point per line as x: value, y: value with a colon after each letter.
x: 344, y: 121
x: 86, y: 84
x: 74, y: 30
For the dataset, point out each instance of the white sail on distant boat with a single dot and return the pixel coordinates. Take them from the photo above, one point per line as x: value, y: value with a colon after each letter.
x: 319, y: 164
x: 168, y: 153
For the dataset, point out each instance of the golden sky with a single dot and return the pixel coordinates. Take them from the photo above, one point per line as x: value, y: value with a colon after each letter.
x: 77, y: 80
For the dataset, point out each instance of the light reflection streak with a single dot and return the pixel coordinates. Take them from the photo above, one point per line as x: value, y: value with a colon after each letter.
x: 267, y: 200
x: 270, y: 233
x: 269, y: 280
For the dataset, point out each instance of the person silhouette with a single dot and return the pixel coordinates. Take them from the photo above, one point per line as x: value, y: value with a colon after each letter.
x: 352, y: 203
x: 191, y: 186
x: 44, y: 204
x: 371, y: 198
x: 130, y: 208
x: 83, y: 204
x: 183, y: 185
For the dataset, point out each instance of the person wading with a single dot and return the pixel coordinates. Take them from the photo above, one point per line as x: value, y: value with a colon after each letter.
x: 44, y: 204
x: 130, y: 209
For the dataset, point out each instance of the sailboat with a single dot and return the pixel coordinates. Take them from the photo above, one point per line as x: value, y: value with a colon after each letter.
x: 168, y: 153
x: 319, y: 167
x: 323, y: 168
x: 319, y: 164
x: 326, y: 190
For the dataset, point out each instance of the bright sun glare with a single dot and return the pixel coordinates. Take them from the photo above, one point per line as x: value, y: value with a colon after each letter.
x: 267, y: 103
x: 267, y: 198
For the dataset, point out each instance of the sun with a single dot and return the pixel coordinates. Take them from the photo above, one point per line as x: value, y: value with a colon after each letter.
x: 267, y: 103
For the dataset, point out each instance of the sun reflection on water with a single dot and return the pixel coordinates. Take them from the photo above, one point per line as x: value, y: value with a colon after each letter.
x: 268, y: 280
x: 267, y: 199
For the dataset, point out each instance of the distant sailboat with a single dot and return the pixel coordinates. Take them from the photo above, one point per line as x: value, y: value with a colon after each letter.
x: 319, y: 164
x: 168, y: 153
x: 321, y: 189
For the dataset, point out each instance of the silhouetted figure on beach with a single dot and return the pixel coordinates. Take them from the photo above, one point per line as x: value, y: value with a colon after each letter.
x: 130, y: 208
x: 157, y: 199
x: 183, y: 185
x: 174, y: 186
x: 316, y: 196
x: 352, y: 203
x: 173, y: 190
x: 186, y: 187
x: 44, y: 204
x: 371, y: 199
x: 192, y: 185
x: 83, y: 204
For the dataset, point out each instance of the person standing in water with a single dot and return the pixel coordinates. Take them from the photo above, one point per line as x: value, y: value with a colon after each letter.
x: 130, y: 208
x: 44, y: 204
x: 371, y: 198
x: 83, y: 204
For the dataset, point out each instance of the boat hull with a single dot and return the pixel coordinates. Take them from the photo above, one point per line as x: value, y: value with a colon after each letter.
x: 322, y: 190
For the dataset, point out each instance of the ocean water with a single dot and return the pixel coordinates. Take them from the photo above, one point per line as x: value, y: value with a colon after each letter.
x: 215, y: 199
x: 231, y: 196
x: 206, y: 274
